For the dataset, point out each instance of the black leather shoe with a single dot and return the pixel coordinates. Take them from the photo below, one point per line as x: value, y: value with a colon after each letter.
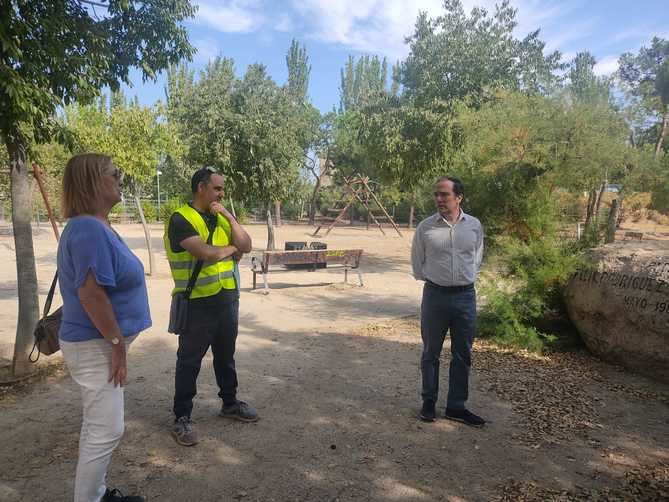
x: 116, y: 496
x: 464, y: 416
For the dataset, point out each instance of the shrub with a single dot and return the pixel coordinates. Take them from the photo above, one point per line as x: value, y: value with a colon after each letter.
x: 636, y: 205
x: 660, y: 198
x: 533, y: 275
x: 168, y: 207
x: 149, y: 210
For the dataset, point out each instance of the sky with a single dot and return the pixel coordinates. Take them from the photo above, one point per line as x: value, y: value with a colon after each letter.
x: 260, y: 31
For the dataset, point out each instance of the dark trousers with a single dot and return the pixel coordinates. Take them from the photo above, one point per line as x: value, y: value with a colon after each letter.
x: 215, y: 328
x: 444, y: 310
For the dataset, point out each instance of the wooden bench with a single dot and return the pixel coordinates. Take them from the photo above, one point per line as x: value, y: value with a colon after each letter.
x: 633, y: 235
x: 275, y: 261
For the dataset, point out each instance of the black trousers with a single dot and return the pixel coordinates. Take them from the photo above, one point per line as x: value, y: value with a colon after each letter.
x: 215, y: 328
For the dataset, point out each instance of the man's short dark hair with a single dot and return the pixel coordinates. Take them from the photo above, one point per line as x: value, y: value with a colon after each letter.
x: 201, y: 176
x: 458, y: 187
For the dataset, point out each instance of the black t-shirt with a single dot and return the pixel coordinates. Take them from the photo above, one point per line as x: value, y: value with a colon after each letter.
x: 179, y: 229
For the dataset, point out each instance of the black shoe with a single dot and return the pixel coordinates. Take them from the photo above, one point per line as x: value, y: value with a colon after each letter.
x: 427, y: 412
x: 464, y: 416
x: 116, y: 496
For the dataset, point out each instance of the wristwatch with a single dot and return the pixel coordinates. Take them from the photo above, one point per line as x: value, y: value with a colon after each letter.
x: 116, y: 340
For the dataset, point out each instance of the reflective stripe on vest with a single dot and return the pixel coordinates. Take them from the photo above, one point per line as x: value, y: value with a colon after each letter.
x: 214, y: 275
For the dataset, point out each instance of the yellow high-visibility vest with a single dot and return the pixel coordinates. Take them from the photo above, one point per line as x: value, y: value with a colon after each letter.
x: 215, y: 275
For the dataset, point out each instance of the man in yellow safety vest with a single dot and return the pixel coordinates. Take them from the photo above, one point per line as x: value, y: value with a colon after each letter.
x: 213, y: 307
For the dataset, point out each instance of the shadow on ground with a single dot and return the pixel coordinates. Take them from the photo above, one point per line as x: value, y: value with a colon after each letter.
x: 338, y: 423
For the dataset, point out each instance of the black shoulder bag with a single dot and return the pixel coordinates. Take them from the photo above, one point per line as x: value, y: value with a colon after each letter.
x: 46, y: 330
x: 179, y: 306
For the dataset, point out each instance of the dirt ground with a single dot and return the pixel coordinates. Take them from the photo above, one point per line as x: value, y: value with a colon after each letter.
x: 334, y: 373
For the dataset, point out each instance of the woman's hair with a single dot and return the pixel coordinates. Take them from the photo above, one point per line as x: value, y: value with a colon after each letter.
x: 83, y: 183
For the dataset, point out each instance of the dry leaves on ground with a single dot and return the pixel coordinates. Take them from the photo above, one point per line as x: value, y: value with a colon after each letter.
x: 644, y: 484
x: 553, y: 395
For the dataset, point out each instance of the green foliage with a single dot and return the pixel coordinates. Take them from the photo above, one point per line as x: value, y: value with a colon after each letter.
x: 150, y: 210
x: 169, y: 206
x: 460, y: 56
x: 362, y: 82
x: 53, y: 53
x: 644, y: 73
x: 660, y: 197
x: 299, y: 70
x: 584, y: 86
x: 252, y: 130
x: 135, y: 137
x: 529, y: 291
x: 645, y: 76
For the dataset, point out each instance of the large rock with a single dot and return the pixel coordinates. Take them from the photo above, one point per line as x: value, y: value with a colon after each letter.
x: 621, y: 305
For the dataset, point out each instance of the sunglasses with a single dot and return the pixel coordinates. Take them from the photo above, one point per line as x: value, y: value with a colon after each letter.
x: 117, y: 174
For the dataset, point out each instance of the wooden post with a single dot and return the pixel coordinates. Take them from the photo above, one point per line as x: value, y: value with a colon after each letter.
x: 147, y: 234
x: 369, y: 211
x: 613, y: 221
x: 37, y: 173
x: 382, y: 208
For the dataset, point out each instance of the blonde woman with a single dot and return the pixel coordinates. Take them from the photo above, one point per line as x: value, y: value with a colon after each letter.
x: 105, y: 306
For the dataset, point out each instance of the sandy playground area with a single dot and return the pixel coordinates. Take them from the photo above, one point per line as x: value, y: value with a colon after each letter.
x: 334, y: 373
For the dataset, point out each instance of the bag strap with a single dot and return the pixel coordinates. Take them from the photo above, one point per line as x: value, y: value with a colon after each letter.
x: 45, y: 312
x: 197, y: 268
x: 49, y: 296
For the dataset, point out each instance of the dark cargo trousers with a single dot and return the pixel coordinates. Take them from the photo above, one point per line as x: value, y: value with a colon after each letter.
x: 215, y: 328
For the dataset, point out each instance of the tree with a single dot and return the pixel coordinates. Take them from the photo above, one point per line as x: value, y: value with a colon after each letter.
x: 299, y: 71
x: 455, y: 56
x: 589, y: 97
x: 266, y: 152
x: 135, y: 137
x: 518, y: 150
x: 321, y: 165
x: 55, y: 53
x: 362, y: 81
x: 646, y: 77
x: 584, y: 85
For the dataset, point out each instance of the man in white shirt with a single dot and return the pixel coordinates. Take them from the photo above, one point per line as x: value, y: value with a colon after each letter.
x: 446, y: 253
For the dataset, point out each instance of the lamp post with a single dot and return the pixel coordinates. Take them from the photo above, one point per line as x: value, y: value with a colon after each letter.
x: 158, y: 173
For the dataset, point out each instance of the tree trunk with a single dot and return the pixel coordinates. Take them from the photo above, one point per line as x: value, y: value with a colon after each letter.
x: 590, y: 209
x: 412, y: 209
x: 612, y: 222
x: 663, y: 132
x: 600, y: 196
x: 270, y: 231
x: 312, y: 203
x: 147, y: 234
x: 277, y: 212
x: 26, y: 274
